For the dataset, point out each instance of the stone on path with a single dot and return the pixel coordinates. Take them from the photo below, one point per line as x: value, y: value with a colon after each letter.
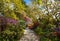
x: 29, y: 35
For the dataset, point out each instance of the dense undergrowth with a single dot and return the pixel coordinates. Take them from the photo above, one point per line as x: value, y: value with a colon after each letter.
x: 12, y: 32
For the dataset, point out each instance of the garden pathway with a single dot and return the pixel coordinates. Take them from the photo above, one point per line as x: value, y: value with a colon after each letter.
x: 29, y: 35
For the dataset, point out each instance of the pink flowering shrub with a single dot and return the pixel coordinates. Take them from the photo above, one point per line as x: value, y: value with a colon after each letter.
x: 10, y: 29
x: 12, y: 21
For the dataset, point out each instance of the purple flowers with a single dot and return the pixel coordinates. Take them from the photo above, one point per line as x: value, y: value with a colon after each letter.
x: 57, y: 29
x: 4, y: 20
x: 13, y: 21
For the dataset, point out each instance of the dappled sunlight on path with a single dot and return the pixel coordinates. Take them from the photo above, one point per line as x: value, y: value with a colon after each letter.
x: 29, y: 35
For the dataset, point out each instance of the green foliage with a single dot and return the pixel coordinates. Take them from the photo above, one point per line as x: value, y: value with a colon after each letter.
x: 9, y: 7
x: 12, y: 9
x: 44, y: 12
x: 46, y: 27
x: 13, y: 32
x: 48, y: 18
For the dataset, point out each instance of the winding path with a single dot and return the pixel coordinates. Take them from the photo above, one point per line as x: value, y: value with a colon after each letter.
x: 29, y: 35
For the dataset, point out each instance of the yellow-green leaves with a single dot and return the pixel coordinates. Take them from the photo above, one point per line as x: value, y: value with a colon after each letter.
x: 19, y: 4
x: 39, y: 1
x: 8, y: 7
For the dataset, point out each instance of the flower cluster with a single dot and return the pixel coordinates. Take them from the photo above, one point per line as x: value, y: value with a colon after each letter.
x: 10, y: 30
x: 57, y: 29
x: 4, y: 20
x: 12, y: 21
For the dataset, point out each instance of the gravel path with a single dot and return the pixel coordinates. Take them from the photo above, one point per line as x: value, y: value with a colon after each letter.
x: 29, y: 35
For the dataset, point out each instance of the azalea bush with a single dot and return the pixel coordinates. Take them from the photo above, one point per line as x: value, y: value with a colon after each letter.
x: 13, y: 29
